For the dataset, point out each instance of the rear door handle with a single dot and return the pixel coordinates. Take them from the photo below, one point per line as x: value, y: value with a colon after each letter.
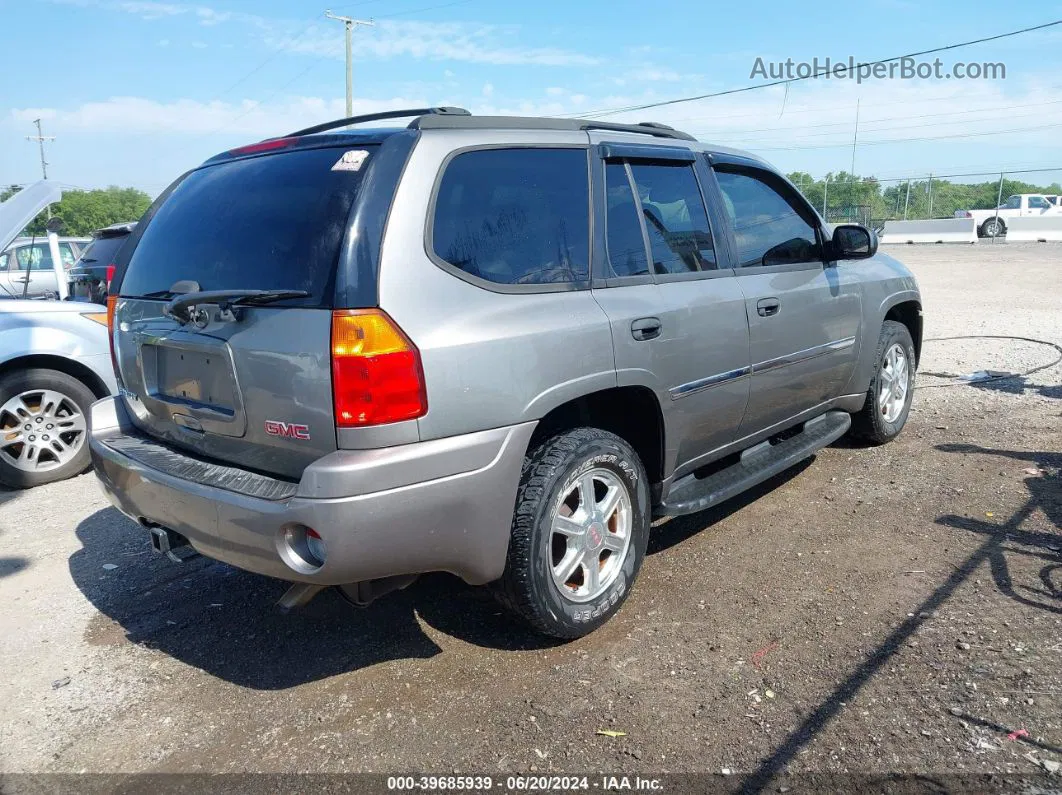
x: 645, y: 328
x: 766, y: 307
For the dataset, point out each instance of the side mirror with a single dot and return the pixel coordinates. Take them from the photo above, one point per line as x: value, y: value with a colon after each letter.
x: 853, y: 241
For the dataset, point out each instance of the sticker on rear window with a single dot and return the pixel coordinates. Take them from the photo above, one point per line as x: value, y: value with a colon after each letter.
x: 351, y: 161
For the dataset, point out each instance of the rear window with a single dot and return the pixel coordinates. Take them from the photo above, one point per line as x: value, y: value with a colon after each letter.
x: 516, y: 216
x: 101, y: 251
x: 263, y: 223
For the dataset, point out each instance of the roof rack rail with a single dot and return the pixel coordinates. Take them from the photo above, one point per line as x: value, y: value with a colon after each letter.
x: 387, y: 114
x: 462, y: 121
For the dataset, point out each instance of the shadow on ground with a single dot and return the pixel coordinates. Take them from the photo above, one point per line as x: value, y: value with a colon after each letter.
x: 223, y: 620
x: 1001, y: 538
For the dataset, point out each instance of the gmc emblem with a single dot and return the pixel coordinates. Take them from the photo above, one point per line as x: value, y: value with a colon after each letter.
x: 289, y: 430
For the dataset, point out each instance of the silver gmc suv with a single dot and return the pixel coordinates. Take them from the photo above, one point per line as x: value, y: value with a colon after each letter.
x: 492, y: 346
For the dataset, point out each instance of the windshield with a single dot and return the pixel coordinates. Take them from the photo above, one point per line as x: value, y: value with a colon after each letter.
x: 263, y: 223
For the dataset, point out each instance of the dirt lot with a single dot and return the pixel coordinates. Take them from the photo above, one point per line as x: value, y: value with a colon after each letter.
x: 888, y: 610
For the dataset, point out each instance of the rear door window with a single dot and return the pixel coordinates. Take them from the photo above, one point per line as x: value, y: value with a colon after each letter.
x: 675, y: 217
x: 37, y: 257
x: 515, y: 216
x: 273, y: 222
x: 623, y: 230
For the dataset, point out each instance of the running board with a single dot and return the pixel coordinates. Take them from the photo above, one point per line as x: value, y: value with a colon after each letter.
x: 757, y: 464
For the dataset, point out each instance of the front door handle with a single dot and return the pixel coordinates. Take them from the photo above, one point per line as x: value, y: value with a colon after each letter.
x: 645, y: 328
x: 766, y: 307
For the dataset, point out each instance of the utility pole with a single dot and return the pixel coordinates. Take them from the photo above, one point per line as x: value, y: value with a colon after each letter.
x: 348, y: 24
x: 40, y: 139
x: 855, y: 138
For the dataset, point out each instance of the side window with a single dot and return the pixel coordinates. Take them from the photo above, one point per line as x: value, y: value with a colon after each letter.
x: 35, y: 258
x: 1038, y: 202
x: 66, y: 254
x: 515, y: 216
x: 680, y: 239
x: 768, y: 228
x: 1012, y: 203
x: 623, y: 230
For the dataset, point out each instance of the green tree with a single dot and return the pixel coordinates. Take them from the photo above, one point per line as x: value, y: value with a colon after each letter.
x: 84, y: 211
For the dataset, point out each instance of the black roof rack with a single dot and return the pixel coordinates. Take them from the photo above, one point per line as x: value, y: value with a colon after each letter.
x: 467, y: 121
x: 387, y: 114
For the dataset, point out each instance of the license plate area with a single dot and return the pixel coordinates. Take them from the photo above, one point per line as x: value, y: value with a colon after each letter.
x: 192, y: 385
x: 194, y: 377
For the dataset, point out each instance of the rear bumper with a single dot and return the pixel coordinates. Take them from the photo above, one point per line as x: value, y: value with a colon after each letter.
x: 441, y: 505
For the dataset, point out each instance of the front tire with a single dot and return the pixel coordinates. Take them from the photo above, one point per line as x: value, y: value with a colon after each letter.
x: 43, y: 427
x: 888, y: 402
x: 579, y: 533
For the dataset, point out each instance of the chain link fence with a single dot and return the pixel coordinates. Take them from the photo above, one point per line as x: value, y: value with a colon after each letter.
x: 872, y: 201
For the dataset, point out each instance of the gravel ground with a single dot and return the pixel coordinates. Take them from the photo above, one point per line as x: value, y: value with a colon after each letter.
x: 876, y: 611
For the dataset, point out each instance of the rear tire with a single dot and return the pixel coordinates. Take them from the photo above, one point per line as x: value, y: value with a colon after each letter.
x: 583, y: 499
x: 882, y: 418
x: 61, y: 403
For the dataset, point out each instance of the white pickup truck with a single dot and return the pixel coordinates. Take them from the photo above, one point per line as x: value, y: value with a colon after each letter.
x: 993, y: 223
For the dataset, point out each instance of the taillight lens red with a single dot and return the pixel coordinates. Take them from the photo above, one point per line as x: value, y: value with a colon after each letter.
x: 110, y: 274
x: 263, y: 146
x: 112, y: 300
x: 376, y: 371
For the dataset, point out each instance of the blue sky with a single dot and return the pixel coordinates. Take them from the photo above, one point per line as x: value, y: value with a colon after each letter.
x: 137, y: 91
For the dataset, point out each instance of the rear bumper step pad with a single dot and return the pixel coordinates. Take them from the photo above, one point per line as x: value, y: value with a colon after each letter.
x: 207, y: 473
x: 690, y: 494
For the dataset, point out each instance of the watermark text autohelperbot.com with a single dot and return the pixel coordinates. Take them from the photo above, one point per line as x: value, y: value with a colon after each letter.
x: 899, y: 69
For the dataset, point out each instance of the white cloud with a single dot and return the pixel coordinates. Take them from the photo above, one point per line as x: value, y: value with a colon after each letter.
x: 130, y: 116
x: 149, y: 10
x: 450, y: 41
x: 488, y: 89
x: 554, y: 91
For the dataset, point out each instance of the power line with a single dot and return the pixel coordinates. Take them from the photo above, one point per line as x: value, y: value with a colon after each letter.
x: 863, y: 129
x: 910, y: 140
x: 790, y: 128
x: 663, y: 103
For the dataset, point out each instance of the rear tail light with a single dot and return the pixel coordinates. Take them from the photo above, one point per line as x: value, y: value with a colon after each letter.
x: 110, y: 275
x: 112, y: 300
x: 967, y: 214
x: 263, y: 146
x: 376, y: 371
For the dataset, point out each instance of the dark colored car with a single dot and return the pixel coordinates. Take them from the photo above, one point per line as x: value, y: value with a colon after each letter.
x: 95, y: 266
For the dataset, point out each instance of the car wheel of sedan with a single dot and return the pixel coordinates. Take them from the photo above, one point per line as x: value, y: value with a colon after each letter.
x: 579, y: 532
x: 43, y: 427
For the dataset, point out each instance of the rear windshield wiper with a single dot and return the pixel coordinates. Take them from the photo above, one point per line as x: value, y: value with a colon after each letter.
x: 180, y: 307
